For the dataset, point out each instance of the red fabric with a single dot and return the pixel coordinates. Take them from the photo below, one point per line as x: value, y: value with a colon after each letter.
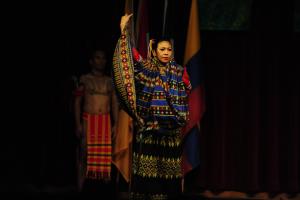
x: 186, y: 80
x: 196, y: 108
x: 99, y: 149
x: 142, y: 27
x: 136, y: 55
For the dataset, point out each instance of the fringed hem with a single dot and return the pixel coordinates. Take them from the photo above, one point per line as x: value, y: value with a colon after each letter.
x: 98, y: 175
x: 138, y: 196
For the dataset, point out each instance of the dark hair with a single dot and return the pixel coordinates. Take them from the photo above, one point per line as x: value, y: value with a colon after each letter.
x: 93, y: 52
x: 161, y: 39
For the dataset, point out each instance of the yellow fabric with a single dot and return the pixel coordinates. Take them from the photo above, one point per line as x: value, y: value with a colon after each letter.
x: 122, y: 145
x: 193, y: 34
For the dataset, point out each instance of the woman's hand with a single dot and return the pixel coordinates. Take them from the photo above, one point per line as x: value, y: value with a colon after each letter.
x: 124, y: 21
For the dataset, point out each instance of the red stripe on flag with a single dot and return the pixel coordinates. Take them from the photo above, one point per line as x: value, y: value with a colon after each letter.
x: 142, y: 27
x: 196, y: 108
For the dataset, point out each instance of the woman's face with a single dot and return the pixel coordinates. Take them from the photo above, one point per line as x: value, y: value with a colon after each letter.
x: 164, y: 51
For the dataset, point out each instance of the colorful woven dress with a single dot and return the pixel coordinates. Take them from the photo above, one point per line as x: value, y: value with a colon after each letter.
x: 155, y: 96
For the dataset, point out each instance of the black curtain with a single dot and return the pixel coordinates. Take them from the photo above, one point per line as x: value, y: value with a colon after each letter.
x: 250, y: 131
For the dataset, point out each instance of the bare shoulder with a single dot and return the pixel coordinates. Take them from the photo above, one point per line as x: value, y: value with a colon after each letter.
x: 84, y: 77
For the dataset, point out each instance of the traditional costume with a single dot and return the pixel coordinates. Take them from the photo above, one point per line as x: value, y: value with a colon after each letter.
x: 155, y: 96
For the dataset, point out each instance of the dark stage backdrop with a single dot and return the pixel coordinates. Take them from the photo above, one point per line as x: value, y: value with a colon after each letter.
x: 250, y: 138
x: 225, y: 15
x: 250, y: 131
x: 297, y: 16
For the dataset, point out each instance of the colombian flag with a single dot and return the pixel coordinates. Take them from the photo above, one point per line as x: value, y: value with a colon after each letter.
x: 191, y: 131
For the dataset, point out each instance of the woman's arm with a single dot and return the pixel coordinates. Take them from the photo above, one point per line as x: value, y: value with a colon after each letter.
x: 124, y: 22
x: 123, y: 26
x: 123, y: 71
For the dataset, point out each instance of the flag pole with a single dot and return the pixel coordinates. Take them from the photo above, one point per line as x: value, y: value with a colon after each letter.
x: 165, y: 17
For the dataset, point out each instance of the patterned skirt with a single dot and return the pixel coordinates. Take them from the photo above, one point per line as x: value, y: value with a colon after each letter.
x: 156, y: 166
